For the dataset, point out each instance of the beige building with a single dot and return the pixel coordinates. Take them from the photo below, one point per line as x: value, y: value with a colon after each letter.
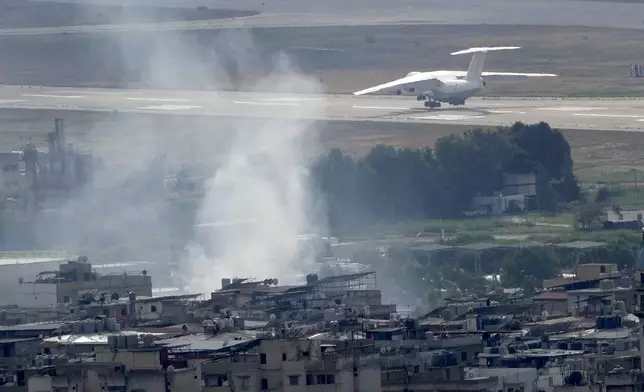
x: 142, y: 369
x: 297, y: 365
x: 584, y: 272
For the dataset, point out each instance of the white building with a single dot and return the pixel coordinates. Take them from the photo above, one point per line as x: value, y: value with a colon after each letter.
x: 18, y: 269
x: 498, y: 205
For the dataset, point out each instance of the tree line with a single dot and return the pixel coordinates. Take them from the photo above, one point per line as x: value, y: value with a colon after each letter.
x: 393, y: 185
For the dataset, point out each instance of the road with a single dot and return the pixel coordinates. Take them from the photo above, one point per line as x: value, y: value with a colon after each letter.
x: 591, y: 114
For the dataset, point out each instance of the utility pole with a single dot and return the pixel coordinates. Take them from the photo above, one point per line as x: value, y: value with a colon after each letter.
x: 636, y: 187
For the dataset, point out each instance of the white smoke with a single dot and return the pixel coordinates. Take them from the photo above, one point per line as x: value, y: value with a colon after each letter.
x: 259, y: 168
x: 259, y: 199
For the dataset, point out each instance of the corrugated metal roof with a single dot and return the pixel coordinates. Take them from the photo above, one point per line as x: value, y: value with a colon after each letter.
x: 203, y: 342
x: 32, y: 327
x: 551, y: 295
x: 96, y: 339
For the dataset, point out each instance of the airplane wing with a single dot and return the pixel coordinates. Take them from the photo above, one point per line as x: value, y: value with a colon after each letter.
x: 505, y: 76
x: 411, y: 78
x: 514, y: 75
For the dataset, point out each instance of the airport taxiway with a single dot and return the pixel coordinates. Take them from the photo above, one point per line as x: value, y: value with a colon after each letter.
x: 593, y: 114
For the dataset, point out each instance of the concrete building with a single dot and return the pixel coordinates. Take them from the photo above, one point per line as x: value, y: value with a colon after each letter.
x: 18, y: 268
x: 584, y: 275
x: 520, y: 184
x: 76, y: 279
x: 638, y: 286
x: 296, y: 365
x: 498, y: 205
x: 137, y: 366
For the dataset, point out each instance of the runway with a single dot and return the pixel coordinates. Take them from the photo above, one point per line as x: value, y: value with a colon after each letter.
x: 591, y: 114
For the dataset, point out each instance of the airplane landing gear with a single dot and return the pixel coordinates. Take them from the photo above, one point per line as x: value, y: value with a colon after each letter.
x: 432, y: 104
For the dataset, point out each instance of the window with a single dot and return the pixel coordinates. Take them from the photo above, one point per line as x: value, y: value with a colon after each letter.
x: 602, y: 269
x: 262, y: 359
x: 321, y: 379
x: 264, y: 384
x: 124, y: 310
x: 310, y: 380
x: 66, y: 299
x: 330, y: 378
x: 464, y: 356
x: 283, y: 356
x: 293, y: 380
x: 306, y: 354
x: 153, y: 308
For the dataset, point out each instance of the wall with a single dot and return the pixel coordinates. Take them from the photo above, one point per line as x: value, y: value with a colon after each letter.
x: 13, y: 293
x: 146, y: 381
x: 525, y: 376
x: 138, y: 359
x: 497, y: 205
x: 121, y: 284
x: 593, y: 271
x: 554, y: 306
x: 37, y: 295
x: 149, y: 310
x: 520, y: 184
x: 39, y: 384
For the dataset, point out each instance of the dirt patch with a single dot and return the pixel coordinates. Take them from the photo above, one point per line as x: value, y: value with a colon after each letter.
x: 26, y: 13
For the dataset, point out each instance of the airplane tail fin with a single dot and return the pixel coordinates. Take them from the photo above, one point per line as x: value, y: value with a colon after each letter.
x: 475, y: 70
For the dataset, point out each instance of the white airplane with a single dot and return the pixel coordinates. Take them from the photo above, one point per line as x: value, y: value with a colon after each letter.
x: 452, y: 87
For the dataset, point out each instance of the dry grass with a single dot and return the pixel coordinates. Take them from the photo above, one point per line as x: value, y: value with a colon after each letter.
x: 589, y: 61
x: 131, y: 138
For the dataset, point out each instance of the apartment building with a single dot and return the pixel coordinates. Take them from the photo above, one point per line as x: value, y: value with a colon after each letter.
x: 297, y: 366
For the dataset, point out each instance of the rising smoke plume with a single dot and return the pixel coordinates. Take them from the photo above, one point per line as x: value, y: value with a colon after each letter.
x: 257, y: 169
x: 261, y: 194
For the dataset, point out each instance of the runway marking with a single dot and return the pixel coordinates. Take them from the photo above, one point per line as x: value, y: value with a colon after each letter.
x: 85, y: 92
x: 267, y: 103
x: 53, y: 96
x: 448, y: 117
x: 158, y: 99
x: 4, y: 101
x: 608, y: 115
x: 291, y: 99
x: 504, y: 112
x: 380, y: 107
x: 170, y: 107
x: 571, y: 108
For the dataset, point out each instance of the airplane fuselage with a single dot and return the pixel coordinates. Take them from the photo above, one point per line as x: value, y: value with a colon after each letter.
x: 454, y: 91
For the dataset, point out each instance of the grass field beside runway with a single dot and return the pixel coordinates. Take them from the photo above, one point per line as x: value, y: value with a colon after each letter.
x: 590, y: 62
x: 128, y: 137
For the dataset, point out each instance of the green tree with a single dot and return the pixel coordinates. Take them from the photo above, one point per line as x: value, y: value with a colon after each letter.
x: 589, y: 216
x: 528, y: 267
